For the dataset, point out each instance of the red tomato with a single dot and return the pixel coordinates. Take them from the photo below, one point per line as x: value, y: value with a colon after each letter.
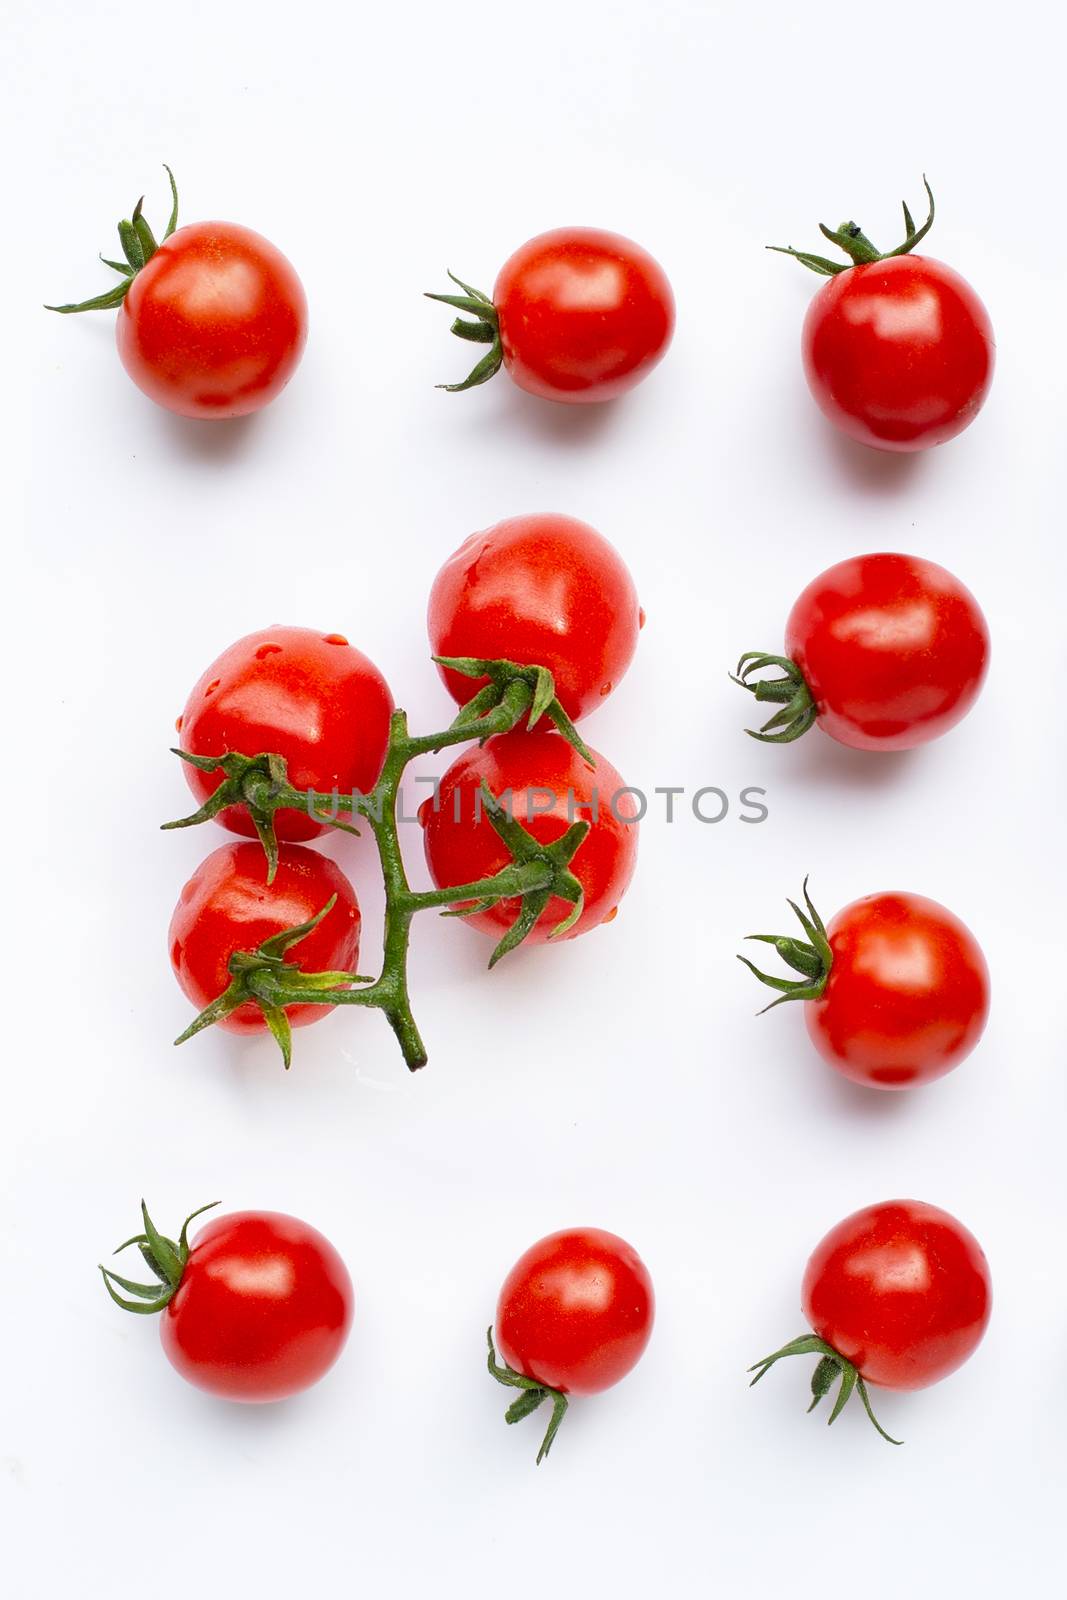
x: 576, y: 1311
x: 227, y: 906
x: 899, y: 353
x: 577, y: 315
x: 584, y: 314
x: 885, y: 652
x: 263, y: 1308
x: 550, y: 788
x: 214, y: 324
x: 310, y: 697
x: 901, y: 1290
x: 907, y: 998
x: 544, y: 591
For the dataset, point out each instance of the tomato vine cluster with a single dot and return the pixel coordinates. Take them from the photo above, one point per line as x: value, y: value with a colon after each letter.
x: 531, y: 835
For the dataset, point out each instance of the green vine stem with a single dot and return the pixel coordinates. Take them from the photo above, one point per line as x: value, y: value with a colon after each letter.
x: 850, y: 238
x: 139, y: 245
x: 812, y: 957
x: 485, y: 329
x: 532, y: 1395
x: 832, y: 1365
x: 535, y: 875
x: 796, y: 707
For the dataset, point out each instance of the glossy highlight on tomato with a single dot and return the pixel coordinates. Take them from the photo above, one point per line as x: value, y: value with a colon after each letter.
x: 900, y: 1289
x: 549, y: 787
x: 228, y: 906
x: 543, y: 590
x: 907, y: 997
x: 575, y: 1312
x: 310, y: 697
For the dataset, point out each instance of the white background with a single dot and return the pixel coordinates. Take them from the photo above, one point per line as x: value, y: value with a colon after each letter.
x: 622, y: 1080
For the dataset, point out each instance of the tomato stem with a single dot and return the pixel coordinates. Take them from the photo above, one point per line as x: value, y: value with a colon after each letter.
x: 485, y: 329
x: 832, y: 1366
x: 535, y: 875
x: 850, y: 238
x: 165, y: 1258
x: 533, y: 1395
x: 138, y: 246
x: 811, y: 957
x: 797, y: 711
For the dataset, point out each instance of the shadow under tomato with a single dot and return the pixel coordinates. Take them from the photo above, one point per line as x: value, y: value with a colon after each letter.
x: 855, y: 1102
x: 553, y: 421
x: 871, y: 471
x: 820, y: 761
x: 208, y: 439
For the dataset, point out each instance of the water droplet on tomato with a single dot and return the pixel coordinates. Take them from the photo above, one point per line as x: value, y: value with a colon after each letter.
x: 334, y: 638
x: 268, y: 650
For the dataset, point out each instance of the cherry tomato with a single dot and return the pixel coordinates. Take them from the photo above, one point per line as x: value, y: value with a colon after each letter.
x: 899, y: 354
x: 227, y: 906
x: 907, y: 998
x: 544, y: 591
x: 576, y: 1311
x: 895, y: 991
x: 212, y: 321
x: 902, y: 1290
x: 577, y: 314
x: 898, y: 349
x: 550, y: 787
x: 215, y: 324
x: 262, y: 1311
x: 898, y: 1295
x: 309, y: 697
x: 884, y: 651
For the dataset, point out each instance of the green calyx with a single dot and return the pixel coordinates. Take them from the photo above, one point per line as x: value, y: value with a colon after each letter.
x: 532, y: 1395
x: 811, y: 957
x: 528, y: 691
x: 165, y: 1259
x: 535, y: 875
x: 485, y: 329
x: 832, y: 1366
x: 260, y: 784
x: 261, y: 977
x: 850, y: 238
x: 796, y: 708
x: 139, y: 245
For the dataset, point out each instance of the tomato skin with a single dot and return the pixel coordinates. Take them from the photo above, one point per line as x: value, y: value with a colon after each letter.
x: 584, y: 315
x: 907, y: 998
x: 902, y: 1290
x: 899, y: 354
x: 544, y: 590
x: 464, y: 850
x: 310, y: 697
x: 263, y: 1309
x: 227, y: 906
x: 576, y: 1311
x: 214, y: 324
x: 894, y: 650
